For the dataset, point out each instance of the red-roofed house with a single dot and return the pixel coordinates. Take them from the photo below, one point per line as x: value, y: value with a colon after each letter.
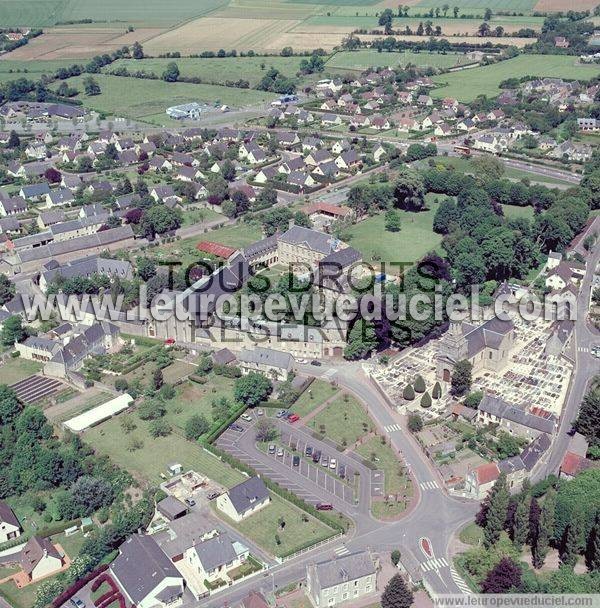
x: 480, y: 480
x: 573, y: 464
x: 221, y: 251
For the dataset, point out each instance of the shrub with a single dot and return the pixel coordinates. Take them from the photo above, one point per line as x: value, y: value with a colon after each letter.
x: 420, y: 384
x: 426, y: 400
x: 436, y: 393
x: 408, y: 393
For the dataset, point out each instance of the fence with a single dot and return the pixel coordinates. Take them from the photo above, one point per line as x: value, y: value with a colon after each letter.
x: 325, y: 541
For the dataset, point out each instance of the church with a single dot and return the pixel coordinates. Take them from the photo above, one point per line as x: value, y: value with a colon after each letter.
x: 486, y: 346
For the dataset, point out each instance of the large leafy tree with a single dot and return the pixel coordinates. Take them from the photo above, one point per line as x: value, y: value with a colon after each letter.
x: 13, y: 331
x: 396, y: 594
x: 461, y: 378
x: 409, y: 191
x: 502, y: 578
x: 7, y: 290
x: 252, y: 389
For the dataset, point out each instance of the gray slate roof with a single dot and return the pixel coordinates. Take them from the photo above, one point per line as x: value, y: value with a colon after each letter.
x: 499, y: 408
x: 489, y: 334
x: 317, y: 241
x: 215, y: 552
x: 246, y: 494
x: 141, y: 566
x: 267, y: 356
x: 348, y: 568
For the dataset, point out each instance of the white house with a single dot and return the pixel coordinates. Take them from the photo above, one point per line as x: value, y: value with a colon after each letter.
x: 9, y: 524
x: 245, y: 499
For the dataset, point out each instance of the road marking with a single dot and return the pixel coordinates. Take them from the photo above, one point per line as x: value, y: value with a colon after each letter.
x: 343, y: 550
x: 583, y: 349
x: 429, y: 485
x: 391, y: 428
x: 329, y: 374
x: 459, y: 582
x: 434, y: 564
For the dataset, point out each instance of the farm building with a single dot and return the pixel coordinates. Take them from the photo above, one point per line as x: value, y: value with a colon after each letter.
x: 187, y: 110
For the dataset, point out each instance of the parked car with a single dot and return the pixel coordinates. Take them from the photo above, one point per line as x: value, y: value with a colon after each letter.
x: 280, y: 452
x: 213, y: 495
x: 308, y: 451
x: 168, y: 342
x: 325, y: 461
x: 77, y: 603
x: 236, y: 427
x: 333, y: 464
x: 190, y: 502
x: 596, y: 351
x: 342, y: 471
x: 296, y: 461
x: 271, y: 449
x: 281, y: 413
x: 260, y: 412
x: 246, y: 417
x: 293, y: 418
x: 316, y: 363
x: 316, y: 456
x: 324, y: 506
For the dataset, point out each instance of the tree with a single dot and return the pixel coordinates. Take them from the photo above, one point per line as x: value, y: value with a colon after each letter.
x: 461, y: 378
x: 409, y: 191
x: 396, y: 594
x: 159, y: 428
x: 473, y: 399
x: 362, y: 339
x: 171, y: 73
x: 52, y: 175
x: 157, y: 379
x: 13, y: 331
x: 386, y: 19
x: 521, y: 522
x: 91, y: 86
x: 392, y: 221
x: 593, y: 549
x: 420, y: 384
x: 146, y: 267
x: 10, y: 408
x: 426, y: 400
x: 13, y: 140
x: 7, y: 289
x: 196, y: 426
x: 395, y: 557
x: 496, y: 512
x: 487, y: 167
x: 137, y: 52
x: 121, y: 384
x: 265, y: 430
x: 160, y: 219
x: 415, y: 423
x: 487, y: 15
x: 502, y: 578
x: 588, y: 420
x: 151, y: 409
x: 408, y: 393
x: 252, y: 389
x: 436, y: 393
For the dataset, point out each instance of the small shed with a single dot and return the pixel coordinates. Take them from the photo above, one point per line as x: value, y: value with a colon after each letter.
x: 172, y: 508
x: 175, y: 468
x: 223, y: 357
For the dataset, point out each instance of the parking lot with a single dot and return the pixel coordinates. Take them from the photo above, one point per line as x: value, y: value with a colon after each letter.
x: 308, y: 480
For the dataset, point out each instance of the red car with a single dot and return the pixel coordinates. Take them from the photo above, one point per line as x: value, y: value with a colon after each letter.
x: 294, y: 418
x: 170, y: 341
x: 324, y: 506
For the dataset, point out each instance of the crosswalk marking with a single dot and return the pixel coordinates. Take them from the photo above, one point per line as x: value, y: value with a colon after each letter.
x: 459, y: 581
x: 429, y: 485
x: 343, y: 550
x: 583, y: 349
x: 434, y: 564
x: 390, y: 428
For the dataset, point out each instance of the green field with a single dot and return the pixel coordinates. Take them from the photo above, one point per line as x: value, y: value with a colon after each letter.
x: 414, y: 240
x: 216, y: 70
x: 264, y: 526
x: 469, y: 6
x: 19, y: 69
x: 16, y: 369
x: 37, y: 13
x: 466, y: 85
x: 511, y: 211
x: 139, y: 99
x: 344, y: 420
x: 315, y: 395
x: 365, y: 58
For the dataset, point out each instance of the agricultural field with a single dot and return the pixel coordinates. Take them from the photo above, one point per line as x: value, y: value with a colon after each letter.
x: 215, y: 70
x: 39, y: 13
x: 18, y: 68
x: 139, y: 99
x: 468, y: 84
x: 412, y: 242
x: 366, y: 58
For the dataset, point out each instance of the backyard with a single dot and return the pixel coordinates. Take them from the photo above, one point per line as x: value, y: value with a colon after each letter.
x: 16, y: 369
x: 264, y: 527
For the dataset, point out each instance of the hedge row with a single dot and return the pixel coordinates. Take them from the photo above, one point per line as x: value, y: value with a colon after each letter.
x: 219, y: 430
x: 68, y: 593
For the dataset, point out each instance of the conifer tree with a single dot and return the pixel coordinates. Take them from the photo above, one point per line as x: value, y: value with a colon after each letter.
x: 396, y: 594
x: 496, y: 515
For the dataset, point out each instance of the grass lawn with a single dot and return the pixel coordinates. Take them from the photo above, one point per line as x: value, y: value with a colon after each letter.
x: 8, y: 571
x: 344, y: 419
x: 143, y: 373
x: 512, y: 211
x: 200, y: 216
x: 263, y: 526
x: 468, y: 84
x: 471, y: 534
x: 137, y: 98
x: 71, y: 544
x: 16, y: 369
x: 216, y: 70
x: 20, y: 598
x: 316, y: 394
x: 177, y: 370
x: 411, y: 243
x: 18, y: 69
x: 104, y: 587
x: 150, y: 460
x: 365, y: 58
x: 193, y: 398
x: 396, y: 483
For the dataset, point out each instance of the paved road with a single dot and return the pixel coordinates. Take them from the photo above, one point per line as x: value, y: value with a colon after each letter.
x: 586, y: 366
